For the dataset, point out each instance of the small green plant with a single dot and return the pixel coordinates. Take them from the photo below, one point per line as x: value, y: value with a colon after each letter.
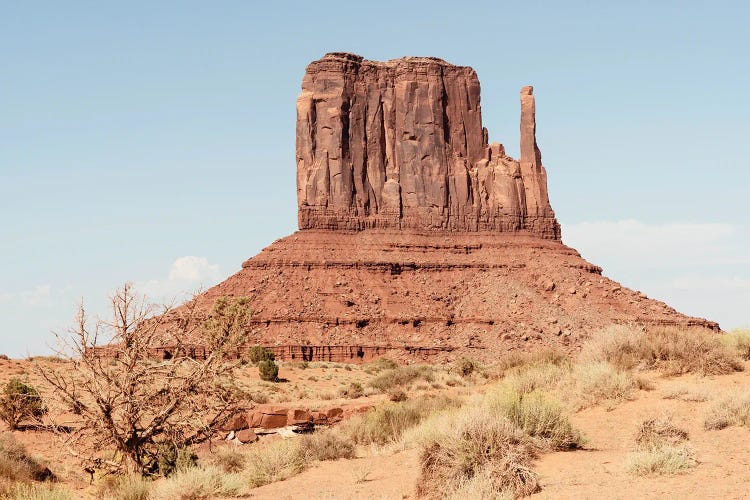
x: 259, y: 353
x: 20, y: 402
x: 268, y: 370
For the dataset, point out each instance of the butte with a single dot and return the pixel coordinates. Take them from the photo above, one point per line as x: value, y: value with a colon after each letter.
x: 417, y: 237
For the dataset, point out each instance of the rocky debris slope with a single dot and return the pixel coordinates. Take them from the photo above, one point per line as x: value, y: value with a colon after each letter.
x: 400, y: 145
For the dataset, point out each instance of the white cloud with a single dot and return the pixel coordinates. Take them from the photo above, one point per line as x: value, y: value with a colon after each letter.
x: 702, y: 269
x: 194, y: 269
x: 186, y: 275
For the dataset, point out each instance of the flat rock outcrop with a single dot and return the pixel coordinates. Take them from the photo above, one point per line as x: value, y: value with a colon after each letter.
x: 400, y: 145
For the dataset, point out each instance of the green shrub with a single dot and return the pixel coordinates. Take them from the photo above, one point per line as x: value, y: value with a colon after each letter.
x: 268, y: 370
x: 19, y: 402
x: 259, y: 353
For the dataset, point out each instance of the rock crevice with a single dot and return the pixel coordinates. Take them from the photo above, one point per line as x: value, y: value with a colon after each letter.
x: 400, y: 145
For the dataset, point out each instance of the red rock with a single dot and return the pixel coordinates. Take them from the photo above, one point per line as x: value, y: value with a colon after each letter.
x: 298, y: 417
x: 319, y: 418
x: 246, y: 436
x: 334, y: 415
x: 235, y: 423
x: 268, y: 417
x: 400, y: 144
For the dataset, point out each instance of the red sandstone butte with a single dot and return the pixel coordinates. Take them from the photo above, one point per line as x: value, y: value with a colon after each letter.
x: 400, y: 145
x: 418, y: 238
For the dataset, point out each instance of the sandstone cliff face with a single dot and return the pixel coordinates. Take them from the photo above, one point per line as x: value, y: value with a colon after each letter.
x: 400, y: 144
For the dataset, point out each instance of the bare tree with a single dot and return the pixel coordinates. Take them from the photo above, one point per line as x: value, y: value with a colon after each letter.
x: 129, y: 405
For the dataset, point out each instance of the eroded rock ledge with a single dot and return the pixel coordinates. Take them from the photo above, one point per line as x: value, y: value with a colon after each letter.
x: 400, y: 145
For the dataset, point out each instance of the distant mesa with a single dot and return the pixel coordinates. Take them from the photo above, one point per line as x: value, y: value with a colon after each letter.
x: 417, y: 237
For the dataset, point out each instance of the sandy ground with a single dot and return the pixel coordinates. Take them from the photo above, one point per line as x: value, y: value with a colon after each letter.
x: 598, y: 471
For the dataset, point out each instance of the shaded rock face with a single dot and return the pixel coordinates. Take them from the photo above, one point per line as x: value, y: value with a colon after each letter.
x: 400, y: 145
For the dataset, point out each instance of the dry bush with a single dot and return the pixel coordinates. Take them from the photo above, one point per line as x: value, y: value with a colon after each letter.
x: 685, y: 393
x: 527, y: 359
x: 136, y: 404
x: 662, y: 460
x: 729, y: 411
x: 197, y: 483
x: 538, y: 415
x: 16, y: 465
x: 403, y: 376
x: 379, y: 365
x: 274, y: 462
x: 466, y: 366
x: 478, y: 445
x: 230, y: 459
x: 385, y: 424
x: 124, y: 487
x: 36, y: 491
x: 660, y: 448
x: 397, y: 395
x: 480, y: 486
x: 659, y: 431
x: 600, y: 381
x: 541, y: 376
x: 352, y: 391
x: 670, y: 350
x: 739, y: 341
x: 326, y: 445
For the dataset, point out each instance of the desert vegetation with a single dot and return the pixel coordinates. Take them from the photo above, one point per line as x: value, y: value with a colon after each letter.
x: 473, y: 428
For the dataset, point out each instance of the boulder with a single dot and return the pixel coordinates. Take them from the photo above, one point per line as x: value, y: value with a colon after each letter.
x: 268, y: 417
x: 235, y: 423
x: 246, y: 436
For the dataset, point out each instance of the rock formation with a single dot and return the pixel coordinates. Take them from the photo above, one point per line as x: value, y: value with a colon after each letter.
x: 417, y: 238
x: 400, y: 145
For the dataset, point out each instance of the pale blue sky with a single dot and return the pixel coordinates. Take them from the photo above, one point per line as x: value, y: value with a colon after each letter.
x: 133, y: 135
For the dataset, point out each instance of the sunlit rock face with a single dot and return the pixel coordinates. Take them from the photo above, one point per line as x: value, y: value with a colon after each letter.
x: 400, y: 145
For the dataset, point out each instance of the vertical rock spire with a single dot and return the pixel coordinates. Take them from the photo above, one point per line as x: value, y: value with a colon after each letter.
x: 529, y: 150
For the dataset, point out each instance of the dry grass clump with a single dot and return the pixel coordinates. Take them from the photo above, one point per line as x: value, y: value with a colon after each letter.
x: 379, y: 365
x: 125, y: 487
x: 35, y: 491
x: 538, y: 415
x: 600, y: 381
x: 662, y: 460
x: 403, y: 376
x: 659, y: 432
x: 199, y: 482
x: 685, y: 393
x: 660, y: 448
x: 230, y: 459
x: 729, y: 411
x: 670, y: 350
x: 480, y: 486
x: 385, y: 424
x: 538, y: 376
x: 519, y: 359
x: 274, y: 462
x: 739, y: 341
x: 479, y: 447
x: 16, y: 465
x: 326, y: 445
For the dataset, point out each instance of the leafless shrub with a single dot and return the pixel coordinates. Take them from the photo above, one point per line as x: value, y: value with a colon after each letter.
x: 138, y: 405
